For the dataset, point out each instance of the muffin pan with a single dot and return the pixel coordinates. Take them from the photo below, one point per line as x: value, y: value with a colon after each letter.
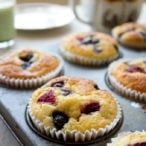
x: 13, y: 104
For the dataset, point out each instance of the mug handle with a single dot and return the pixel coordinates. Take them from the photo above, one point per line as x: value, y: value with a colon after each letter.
x: 72, y: 3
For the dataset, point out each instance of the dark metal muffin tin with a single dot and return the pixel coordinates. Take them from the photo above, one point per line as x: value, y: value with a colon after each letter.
x: 13, y: 104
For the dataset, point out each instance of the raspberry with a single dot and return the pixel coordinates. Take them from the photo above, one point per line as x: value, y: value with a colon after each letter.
x: 133, y: 69
x: 91, y: 107
x: 48, y: 97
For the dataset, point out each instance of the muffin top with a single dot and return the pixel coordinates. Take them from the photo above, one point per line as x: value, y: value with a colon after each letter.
x: 93, y: 45
x: 130, y: 139
x: 28, y: 64
x: 130, y: 73
x: 131, y: 34
x: 68, y: 103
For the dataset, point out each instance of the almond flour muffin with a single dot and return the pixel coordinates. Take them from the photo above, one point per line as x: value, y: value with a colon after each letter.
x: 128, y: 77
x: 136, y: 138
x: 65, y: 106
x: 132, y: 35
x: 29, y: 68
x: 92, y: 48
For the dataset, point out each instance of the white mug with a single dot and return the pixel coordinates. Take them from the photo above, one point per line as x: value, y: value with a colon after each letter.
x: 103, y: 15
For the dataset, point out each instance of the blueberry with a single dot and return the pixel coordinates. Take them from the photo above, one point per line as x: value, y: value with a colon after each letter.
x: 59, y: 119
x: 96, y: 87
x: 65, y: 92
x: 97, y: 50
x: 26, y: 58
x: 58, y: 84
x: 26, y: 65
x: 89, y: 40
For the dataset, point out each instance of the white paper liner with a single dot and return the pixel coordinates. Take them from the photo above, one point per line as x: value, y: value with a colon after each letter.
x: 122, y: 134
x: 34, y: 82
x: 133, y: 94
x: 74, y: 135
x: 86, y: 61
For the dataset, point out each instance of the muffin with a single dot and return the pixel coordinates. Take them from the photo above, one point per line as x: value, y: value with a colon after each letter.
x: 29, y: 68
x: 132, y: 35
x: 91, y: 48
x: 128, y: 77
x: 136, y: 138
x: 63, y: 109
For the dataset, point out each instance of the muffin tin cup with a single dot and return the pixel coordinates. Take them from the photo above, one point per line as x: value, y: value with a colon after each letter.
x: 87, y: 61
x: 120, y: 135
x: 74, y: 136
x: 129, y: 93
x: 34, y: 82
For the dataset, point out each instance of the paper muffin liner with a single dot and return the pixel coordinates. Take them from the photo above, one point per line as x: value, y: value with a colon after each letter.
x: 121, y: 135
x: 75, y: 136
x: 128, y: 92
x: 34, y: 82
x: 86, y: 61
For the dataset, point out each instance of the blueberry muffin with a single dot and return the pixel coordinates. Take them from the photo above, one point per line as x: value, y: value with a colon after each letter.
x: 128, y: 77
x: 64, y: 106
x: 132, y: 35
x: 29, y: 68
x: 91, y: 48
x: 136, y: 138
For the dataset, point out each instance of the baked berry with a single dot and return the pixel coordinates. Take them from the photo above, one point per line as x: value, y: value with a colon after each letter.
x: 90, y: 107
x: 89, y: 40
x: 48, y: 97
x: 133, y: 69
x: 96, y: 87
x: 65, y: 92
x: 58, y: 84
x: 59, y: 119
x: 26, y: 58
x: 138, y: 144
x: 26, y: 65
x: 97, y: 50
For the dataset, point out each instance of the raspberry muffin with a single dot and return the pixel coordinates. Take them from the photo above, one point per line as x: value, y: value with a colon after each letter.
x: 129, y: 139
x: 92, y: 48
x: 63, y: 108
x: 128, y: 77
x: 132, y: 35
x: 29, y: 68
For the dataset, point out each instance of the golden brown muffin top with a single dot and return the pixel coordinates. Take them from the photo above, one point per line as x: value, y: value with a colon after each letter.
x: 130, y: 32
x: 75, y: 101
x: 93, y: 45
x: 131, y: 74
x: 28, y: 64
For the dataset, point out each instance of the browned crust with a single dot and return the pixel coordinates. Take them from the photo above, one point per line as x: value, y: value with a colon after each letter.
x: 43, y: 64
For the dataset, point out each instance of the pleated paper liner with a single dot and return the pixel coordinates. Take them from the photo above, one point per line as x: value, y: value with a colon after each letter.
x: 70, y: 141
x: 34, y: 82
x: 115, y: 86
x: 88, y: 61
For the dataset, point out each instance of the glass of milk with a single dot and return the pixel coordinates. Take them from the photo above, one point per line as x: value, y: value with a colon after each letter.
x: 7, y: 29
